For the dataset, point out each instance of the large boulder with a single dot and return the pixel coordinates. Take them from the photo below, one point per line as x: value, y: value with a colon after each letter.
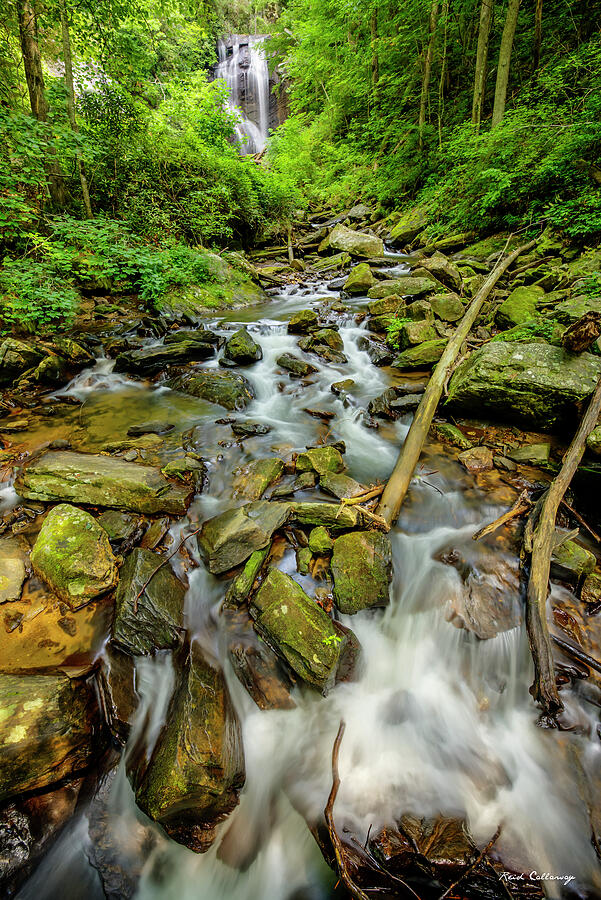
x: 330, y: 515
x: 149, y: 605
x: 320, y: 460
x: 15, y: 358
x: 228, y: 539
x: 521, y: 306
x: 536, y: 384
x: 447, y: 307
x: 421, y: 356
x: 360, y: 280
x: 444, y: 270
x: 100, y: 481
x: 241, y: 349
x: 197, y: 767
x: 46, y: 726
x: 296, y: 366
x: 362, y: 570
x: 297, y: 628
x: 569, y: 311
x: 252, y: 480
x: 409, y: 225
x: 150, y: 360
x: 303, y: 321
x: 405, y: 286
x: 228, y: 389
x: 72, y: 554
x: 411, y: 333
x: 355, y: 242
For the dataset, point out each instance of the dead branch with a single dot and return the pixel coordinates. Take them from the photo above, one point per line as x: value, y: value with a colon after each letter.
x: 476, y: 863
x: 544, y: 688
x: 521, y: 505
x: 577, y: 653
x: 164, y: 563
x: 582, y: 521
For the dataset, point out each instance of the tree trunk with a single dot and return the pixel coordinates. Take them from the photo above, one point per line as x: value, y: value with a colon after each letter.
x: 481, y: 62
x: 423, y: 104
x: 443, y: 69
x: 538, y: 34
x: 375, y: 62
x: 511, y: 21
x: 68, y: 60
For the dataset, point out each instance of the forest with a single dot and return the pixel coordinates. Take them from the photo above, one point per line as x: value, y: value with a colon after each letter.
x: 300, y: 449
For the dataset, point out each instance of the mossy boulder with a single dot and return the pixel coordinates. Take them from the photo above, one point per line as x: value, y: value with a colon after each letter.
x: 569, y: 311
x: 362, y: 570
x: 320, y: 541
x: 297, y: 367
x: 443, y: 270
x: 242, y: 585
x: 421, y: 356
x: 571, y: 561
x: 532, y: 383
x: 252, y: 480
x: 412, y: 333
x: 303, y: 321
x: 447, y: 307
x: 197, y: 767
x: 100, y: 481
x: 228, y: 539
x: 151, y: 360
x: 320, y: 460
x: 419, y: 311
x: 297, y: 628
x: 356, y: 243
x: 323, y: 337
x: 17, y: 357
x: 72, y: 554
x: 521, y: 306
x: 450, y: 434
x: 328, y: 514
x: 360, y: 279
x: 390, y: 304
x: 340, y: 485
x: 591, y: 589
x: 593, y: 441
x: 241, y: 349
x: 228, y: 389
x: 187, y: 469
x: 405, y: 286
x: 408, y: 226
x: 154, y: 620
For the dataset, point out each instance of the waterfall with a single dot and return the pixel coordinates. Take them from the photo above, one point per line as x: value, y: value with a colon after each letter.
x: 243, y: 66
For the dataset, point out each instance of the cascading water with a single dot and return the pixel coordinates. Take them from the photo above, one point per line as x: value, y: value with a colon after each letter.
x: 243, y: 66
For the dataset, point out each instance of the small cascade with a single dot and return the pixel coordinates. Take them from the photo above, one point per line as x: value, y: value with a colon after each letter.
x: 243, y: 66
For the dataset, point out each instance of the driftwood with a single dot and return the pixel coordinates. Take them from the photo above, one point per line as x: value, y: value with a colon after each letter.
x: 398, y: 483
x: 542, y: 539
x: 521, y: 505
x: 164, y: 563
x: 577, y: 653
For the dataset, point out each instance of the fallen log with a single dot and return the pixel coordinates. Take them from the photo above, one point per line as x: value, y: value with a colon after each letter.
x: 398, y: 483
x: 544, y: 688
x: 521, y: 505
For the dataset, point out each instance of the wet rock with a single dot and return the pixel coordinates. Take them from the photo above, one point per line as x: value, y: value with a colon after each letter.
x: 327, y: 337
x: 360, y: 279
x: 593, y: 442
x: 423, y: 356
x: 342, y: 387
x: 450, y: 434
x: 116, y: 687
x: 570, y: 311
x: 242, y: 349
x: 391, y: 304
x: 419, y: 311
x: 72, y: 351
x: 249, y: 429
x: 320, y: 460
x: 298, y: 628
x: 393, y: 402
x: 354, y: 242
x: 320, y: 541
x: 379, y: 324
x: 477, y: 459
x: 46, y: 724
x: 296, y: 366
x: 228, y: 389
x: 303, y: 482
x: 256, y: 666
x: 571, y: 562
x: 151, y: 360
x: 521, y: 306
x: 228, y: 539
x: 533, y: 383
x: 341, y: 486
x: 532, y: 454
x: 405, y: 286
x: 197, y: 767
x: 153, y: 621
x: 328, y: 514
x: 582, y: 334
x: 412, y: 333
x: 100, y: 481
x: 303, y: 321
x: 187, y: 469
x: 155, y: 533
x: 488, y: 601
x: 252, y: 480
x: 379, y: 352
x: 362, y: 571
x: 12, y: 569
x: 447, y: 307
x: 51, y: 370
x: 304, y: 558
x: 73, y: 556
x: 241, y: 587
x: 591, y: 589
x: 409, y: 225
x: 444, y: 270
x: 201, y: 335
x: 150, y: 428
x: 17, y: 357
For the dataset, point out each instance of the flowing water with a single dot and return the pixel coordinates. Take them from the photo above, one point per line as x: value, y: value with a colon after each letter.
x: 437, y: 719
x: 243, y: 66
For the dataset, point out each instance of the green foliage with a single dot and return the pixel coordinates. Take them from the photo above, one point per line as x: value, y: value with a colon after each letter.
x: 393, y: 328
x: 33, y: 294
x: 538, y: 328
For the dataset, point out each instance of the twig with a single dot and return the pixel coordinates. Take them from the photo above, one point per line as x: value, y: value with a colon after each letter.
x: 577, y: 653
x: 521, y: 505
x: 477, y: 862
x: 164, y: 563
x: 579, y: 518
x: 353, y: 889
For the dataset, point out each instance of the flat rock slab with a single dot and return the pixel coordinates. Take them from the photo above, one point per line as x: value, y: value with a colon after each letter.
x: 355, y: 242
x: 405, y: 286
x: 228, y: 389
x: 12, y: 569
x: 101, y: 481
x: 330, y: 515
x: 227, y: 540
x: 252, y: 480
x: 45, y: 731
x: 150, y: 360
x: 362, y: 571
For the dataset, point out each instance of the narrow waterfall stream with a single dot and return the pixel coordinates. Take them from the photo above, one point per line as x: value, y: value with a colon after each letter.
x: 436, y: 721
x: 243, y: 66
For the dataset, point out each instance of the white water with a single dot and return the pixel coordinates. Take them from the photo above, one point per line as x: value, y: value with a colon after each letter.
x: 246, y: 74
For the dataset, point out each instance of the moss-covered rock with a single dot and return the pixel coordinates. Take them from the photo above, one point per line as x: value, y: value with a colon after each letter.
x: 252, y: 480
x: 532, y: 383
x: 450, y: 434
x: 532, y: 454
x: 187, y: 469
x: 408, y: 226
x: 405, y: 286
x: 154, y: 620
x: 242, y: 349
x: 197, y: 767
x: 100, y: 481
x: 320, y: 460
x: 320, y: 541
x: 227, y: 540
x: 328, y: 514
x: 447, y: 307
x: 360, y: 279
x: 412, y: 333
x: 72, y: 554
x: 241, y: 587
x: 569, y: 311
x: 322, y: 340
x: 340, y: 485
x: 591, y: 589
x: 521, y: 306
x: 422, y: 356
x: 297, y: 367
x: 151, y: 360
x: 17, y: 357
x: 297, y: 628
x: 419, y: 311
x: 356, y: 243
x: 228, y: 389
x: 444, y: 270
x: 593, y: 441
x: 362, y: 570
x: 303, y: 321
x: 571, y: 561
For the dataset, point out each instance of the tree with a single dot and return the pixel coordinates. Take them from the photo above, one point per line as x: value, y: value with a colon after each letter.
x: 68, y: 61
x: 375, y: 61
x: 423, y: 103
x: 481, y: 62
x: 538, y: 33
x: 511, y: 20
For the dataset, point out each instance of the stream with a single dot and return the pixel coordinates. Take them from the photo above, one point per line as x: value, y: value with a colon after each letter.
x: 436, y: 720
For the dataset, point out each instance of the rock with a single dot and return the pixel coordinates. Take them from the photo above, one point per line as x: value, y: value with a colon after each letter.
x: 228, y: 539
x: 12, y: 569
x: 303, y: 321
x: 358, y: 212
x: 242, y: 349
x: 249, y: 429
x: 73, y: 556
x: 17, y: 357
x: 46, y: 724
x: 405, y: 286
x: 572, y: 562
x: 187, y: 469
x: 379, y: 352
x: 533, y: 454
x: 477, y: 459
x: 228, y: 389
x: 391, y: 304
x: 320, y: 460
x: 533, y: 383
x: 593, y: 441
x: 51, y: 370
x: 379, y: 324
x: 450, y: 434
x: 327, y: 337
x: 447, y: 307
x: 116, y: 685
x: 360, y: 280
x: 570, y: 311
x: 304, y: 482
x: 296, y: 366
x: 591, y: 589
x: 410, y: 224
x: 583, y: 333
x: 200, y: 334
x: 197, y: 767
x: 72, y: 351
x: 298, y: 628
x: 150, y: 428
x: 340, y: 486
x: 521, y: 306
x: 158, y: 621
x: 255, y: 664
x: 151, y: 360
x: 304, y: 559
x: 241, y: 587
x: 412, y: 333
x: 488, y: 601
x: 252, y: 480
x: 342, y: 387
x: 155, y: 533
x: 419, y: 311
x: 393, y: 402
x: 320, y: 541
x: 328, y: 514
x: 100, y: 481
x: 444, y: 270
x: 355, y: 242
x: 422, y: 356
x: 362, y: 571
